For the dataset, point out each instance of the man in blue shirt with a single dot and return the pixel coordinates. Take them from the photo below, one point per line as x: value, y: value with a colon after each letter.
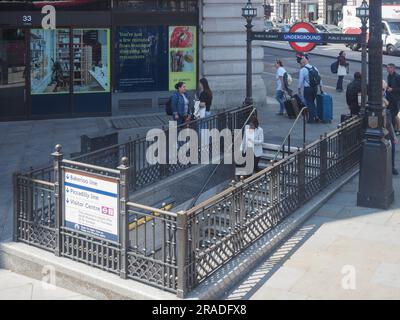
x: 307, y: 90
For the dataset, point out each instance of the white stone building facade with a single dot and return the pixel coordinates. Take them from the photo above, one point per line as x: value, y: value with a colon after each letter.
x: 321, y: 11
x: 223, y: 51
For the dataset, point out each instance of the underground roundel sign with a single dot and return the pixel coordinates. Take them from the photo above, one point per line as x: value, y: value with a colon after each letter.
x: 301, y: 45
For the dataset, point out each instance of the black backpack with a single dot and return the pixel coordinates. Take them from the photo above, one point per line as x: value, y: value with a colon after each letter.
x: 168, y: 107
x: 314, y: 77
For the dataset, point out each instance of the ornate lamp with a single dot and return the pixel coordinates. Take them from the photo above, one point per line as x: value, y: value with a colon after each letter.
x: 362, y: 12
x: 248, y: 12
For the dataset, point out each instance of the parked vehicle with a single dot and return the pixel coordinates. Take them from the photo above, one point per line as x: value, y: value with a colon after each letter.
x: 269, y: 26
x: 330, y: 28
x: 390, y: 27
x: 320, y: 29
x: 283, y: 27
x: 391, y: 36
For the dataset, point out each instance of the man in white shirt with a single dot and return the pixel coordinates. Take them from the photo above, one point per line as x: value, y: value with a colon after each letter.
x: 307, y: 90
x: 280, y: 96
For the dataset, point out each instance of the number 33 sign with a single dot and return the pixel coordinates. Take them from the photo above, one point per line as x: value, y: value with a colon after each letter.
x: 48, y: 21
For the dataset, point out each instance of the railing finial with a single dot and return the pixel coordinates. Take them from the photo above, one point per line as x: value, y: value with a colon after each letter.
x: 124, y: 161
x: 57, y: 154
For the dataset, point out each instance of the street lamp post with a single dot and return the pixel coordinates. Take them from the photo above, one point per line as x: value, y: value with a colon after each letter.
x: 375, y: 188
x: 362, y: 12
x: 248, y: 12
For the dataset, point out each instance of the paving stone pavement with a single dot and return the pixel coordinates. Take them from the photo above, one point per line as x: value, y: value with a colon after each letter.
x: 18, y: 287
x: 341, y: 252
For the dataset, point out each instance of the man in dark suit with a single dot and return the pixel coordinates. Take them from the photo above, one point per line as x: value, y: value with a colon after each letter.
x: 352, y: 91
x: 393, y: 91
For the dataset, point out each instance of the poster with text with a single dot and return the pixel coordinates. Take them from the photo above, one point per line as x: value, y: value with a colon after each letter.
x: 182, y: 56
x: 141, y: 59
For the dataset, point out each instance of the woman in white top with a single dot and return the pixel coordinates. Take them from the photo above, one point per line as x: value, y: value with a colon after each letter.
x: 253, y: 138
x: 342, y: 70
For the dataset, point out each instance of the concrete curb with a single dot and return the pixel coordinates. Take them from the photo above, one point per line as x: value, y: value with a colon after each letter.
x: 236, y: 270
x: 84, y: 279
x: 78, y: 277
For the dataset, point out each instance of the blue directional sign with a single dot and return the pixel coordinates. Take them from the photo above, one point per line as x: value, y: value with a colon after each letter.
x: 307, y: 37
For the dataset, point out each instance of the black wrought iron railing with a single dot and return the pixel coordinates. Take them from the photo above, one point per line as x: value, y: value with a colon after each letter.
x: 141, y: 172
x: 178, y: 251
x: 223, y: 226
x: 285, y: 147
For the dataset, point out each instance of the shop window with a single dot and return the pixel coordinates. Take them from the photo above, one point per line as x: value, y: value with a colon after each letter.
x: 64, y: 63
x: 12, y: 73
x: 50, y: 61
x: 91, y: 60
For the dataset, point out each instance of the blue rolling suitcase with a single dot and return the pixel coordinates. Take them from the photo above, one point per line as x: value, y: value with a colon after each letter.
x: 324, y: 107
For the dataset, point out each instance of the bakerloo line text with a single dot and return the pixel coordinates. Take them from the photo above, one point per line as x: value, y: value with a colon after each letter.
x: 184, y: 146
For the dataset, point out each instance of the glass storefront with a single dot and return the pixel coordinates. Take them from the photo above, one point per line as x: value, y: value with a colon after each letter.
x: 13, y: 73
x: 67, y: 62
x: 50, y: 61
x: 91, y: 60
x: 133, y: 48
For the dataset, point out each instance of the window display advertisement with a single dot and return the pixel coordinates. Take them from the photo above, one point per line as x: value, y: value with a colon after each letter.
x: 50, y: 61
x: 91, y: 60
x: 141, y: 58
x: 182, y: 56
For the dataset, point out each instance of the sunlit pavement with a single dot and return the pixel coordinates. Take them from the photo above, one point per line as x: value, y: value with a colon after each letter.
x: 342, y: 252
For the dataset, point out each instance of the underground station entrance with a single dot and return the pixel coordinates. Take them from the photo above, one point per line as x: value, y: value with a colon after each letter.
x: 111, y: 209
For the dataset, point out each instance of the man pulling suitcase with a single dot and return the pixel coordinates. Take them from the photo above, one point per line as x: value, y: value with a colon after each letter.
x: 309, y: 81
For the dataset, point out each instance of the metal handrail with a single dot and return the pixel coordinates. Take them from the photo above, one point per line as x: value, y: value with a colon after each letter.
x: 79, y: 158
x: 89, y: 166
x: 289, y: 133
x: 227, y: 192
x: 193, y: 203
x: 151, y: 209
x: 255, y: 206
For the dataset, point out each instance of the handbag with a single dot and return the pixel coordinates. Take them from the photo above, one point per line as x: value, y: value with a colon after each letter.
x: 197, y: 109
x: 335, y: 66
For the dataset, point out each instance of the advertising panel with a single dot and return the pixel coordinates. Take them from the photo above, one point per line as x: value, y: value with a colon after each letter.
x: 141, y: 59
x: 182, y: 56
